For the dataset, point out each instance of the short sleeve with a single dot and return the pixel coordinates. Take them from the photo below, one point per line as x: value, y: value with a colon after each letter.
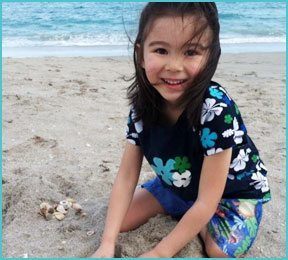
x: 133, y: 128
x: 221, y: 124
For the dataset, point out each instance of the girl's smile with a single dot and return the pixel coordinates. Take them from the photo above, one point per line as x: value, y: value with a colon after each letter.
x: 174, y: 84
x: 170, y: 58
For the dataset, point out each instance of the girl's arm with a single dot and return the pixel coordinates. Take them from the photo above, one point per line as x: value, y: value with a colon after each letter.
x: 211, y: 187
x: 120, y: 198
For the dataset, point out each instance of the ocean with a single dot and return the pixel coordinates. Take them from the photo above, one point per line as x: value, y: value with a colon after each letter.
x: 104, y: 28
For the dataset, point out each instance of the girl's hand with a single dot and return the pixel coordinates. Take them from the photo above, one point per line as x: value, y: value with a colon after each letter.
x: 106, y: 251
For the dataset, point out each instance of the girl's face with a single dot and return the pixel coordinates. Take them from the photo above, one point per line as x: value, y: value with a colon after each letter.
x: 170, y: 58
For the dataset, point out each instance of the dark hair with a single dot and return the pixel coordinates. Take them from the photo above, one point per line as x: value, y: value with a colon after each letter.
x: 146, y: 101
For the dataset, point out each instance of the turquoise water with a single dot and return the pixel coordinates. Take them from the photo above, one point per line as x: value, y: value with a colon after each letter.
x: 65, y: 28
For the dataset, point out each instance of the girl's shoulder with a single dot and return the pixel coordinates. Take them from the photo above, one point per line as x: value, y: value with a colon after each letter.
x: 216, y: 95
x: 217, y: 91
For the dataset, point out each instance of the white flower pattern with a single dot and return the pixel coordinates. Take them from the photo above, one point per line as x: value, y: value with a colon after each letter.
x: 239, y: 163
x: 214, y: 150
x: 182, y: 179
x: 134, y: 135
x: 131, y: 141
x: 235, y: 131
x: 210, y: 109
x: 260, y: 181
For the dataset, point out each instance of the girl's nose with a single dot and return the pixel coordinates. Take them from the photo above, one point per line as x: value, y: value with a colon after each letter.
x: 174, y: 64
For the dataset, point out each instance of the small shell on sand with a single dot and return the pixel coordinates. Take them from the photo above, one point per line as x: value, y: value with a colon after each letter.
x: 50, y: 210
x: 77, y: 207
x: 60, y: 208
x: 46, y: 210
x: 65, y: 204
x: 44, y: 205
x: 90, y: 233
x: 49, y: 216
x: 59, y: 215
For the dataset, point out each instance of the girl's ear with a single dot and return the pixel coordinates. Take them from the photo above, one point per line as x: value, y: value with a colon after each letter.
x: 141, y: 60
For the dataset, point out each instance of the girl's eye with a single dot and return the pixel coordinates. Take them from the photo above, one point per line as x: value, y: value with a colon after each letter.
x: 161, y: 51
x: 190, y: 53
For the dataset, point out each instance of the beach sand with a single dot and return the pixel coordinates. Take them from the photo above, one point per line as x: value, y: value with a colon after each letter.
x: 64, y: 123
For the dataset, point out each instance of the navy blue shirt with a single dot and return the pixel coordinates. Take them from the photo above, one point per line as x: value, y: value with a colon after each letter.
x: 176, y: 153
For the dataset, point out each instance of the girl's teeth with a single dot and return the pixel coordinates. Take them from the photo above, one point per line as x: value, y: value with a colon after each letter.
x: 173, y: 82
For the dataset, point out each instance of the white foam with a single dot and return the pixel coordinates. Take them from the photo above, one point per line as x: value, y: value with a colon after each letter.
x: 253, y: 40
x: 113, y: 39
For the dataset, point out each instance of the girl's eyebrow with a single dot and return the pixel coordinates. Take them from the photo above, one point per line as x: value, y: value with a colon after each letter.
x: 197, y: 45
x: 189, y: 44
x: 151, y: 44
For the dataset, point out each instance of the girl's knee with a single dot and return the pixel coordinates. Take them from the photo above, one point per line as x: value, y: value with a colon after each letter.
x: 130, y: 222
x: 125, y: 227
x: 213, y: 250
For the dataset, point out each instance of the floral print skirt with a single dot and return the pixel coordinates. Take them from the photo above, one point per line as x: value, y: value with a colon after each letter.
x: 234, y: 225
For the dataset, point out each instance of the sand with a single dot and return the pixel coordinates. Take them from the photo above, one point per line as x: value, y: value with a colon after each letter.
x: 63, y: 133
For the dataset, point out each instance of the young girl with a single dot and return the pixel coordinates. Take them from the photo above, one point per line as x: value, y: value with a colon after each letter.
x: 209, y: 173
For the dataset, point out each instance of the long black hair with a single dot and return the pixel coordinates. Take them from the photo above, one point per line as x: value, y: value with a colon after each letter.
x: 146, y: 101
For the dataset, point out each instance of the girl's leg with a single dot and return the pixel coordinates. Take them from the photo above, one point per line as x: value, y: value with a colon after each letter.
x: 234, y: 227
x: 142, y: 208
x: 211, y: 248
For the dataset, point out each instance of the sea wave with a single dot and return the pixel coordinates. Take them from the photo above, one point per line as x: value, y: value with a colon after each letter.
x: 66, y: 40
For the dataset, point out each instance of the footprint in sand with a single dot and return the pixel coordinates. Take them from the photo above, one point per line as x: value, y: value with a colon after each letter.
x: 29, y: 145
x: 50, y: 143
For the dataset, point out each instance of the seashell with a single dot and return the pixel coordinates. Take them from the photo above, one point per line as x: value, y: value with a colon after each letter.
x: 50, y: 210
x: 59, y: 215
x: 77, y: 207
x: 64, y: 203
x: 49, y: 216
x: 46, y: 209
x: 44, y: 205
x: 90, y: 233
x: 61, y: 209
x: 43, y: 212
